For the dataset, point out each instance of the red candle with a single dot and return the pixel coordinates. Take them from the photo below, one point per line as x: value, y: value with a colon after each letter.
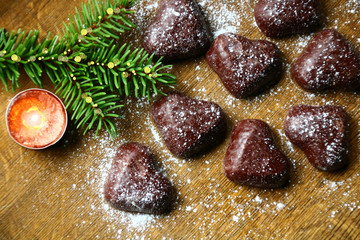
x: 36, y: 118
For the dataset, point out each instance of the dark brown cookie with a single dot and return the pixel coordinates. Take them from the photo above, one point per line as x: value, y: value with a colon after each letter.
x: 320, y: 131
x: 328, y: 62
x: 253, y: 158
x: 178, y: 31
x: 136, y: 184
x: 245, y: 67
x: 189, y: 126
x: 279, y: 18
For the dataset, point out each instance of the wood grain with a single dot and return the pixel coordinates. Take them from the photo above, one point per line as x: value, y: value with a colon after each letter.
x: 57, y: 193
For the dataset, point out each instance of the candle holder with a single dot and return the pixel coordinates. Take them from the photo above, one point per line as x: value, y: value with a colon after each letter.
x: 36, y: 118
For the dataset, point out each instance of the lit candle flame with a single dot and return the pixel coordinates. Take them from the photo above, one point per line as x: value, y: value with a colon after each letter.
x: 33, y: 118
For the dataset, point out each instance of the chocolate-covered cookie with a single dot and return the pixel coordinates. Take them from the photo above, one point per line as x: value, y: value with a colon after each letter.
x: 136, y: 184
x: 246, y: 67
x: 279, y: 18
x: 178, y: 31
x: 189, y: 126
x: 253, y: 158
x: 328, y: 62
x: 320, y: 131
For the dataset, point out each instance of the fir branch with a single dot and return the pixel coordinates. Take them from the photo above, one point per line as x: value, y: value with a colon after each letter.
x: 124, y: 70
x: 98, y: 26
x: 89, y: 103
x: 86, y: 64
x: 21, y: 48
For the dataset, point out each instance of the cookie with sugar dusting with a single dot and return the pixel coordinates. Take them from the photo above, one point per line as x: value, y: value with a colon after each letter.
x: 189, y: 126
x: 321, y: 132
x: 328, y: 62
x: 279, y: 18
x: 245, y: 67
x: 136, y: 183
x: 179, y: 31
x: 253, y: 158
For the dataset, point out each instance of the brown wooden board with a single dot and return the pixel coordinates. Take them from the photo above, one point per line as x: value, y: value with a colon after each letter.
x: 57, y: 193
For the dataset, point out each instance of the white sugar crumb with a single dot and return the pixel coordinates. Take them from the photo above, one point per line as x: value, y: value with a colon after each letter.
x: 333, y: 213
x: 188, y: 208
x: 235, y: 218
x: 280, y: 206
x: 258, y: 199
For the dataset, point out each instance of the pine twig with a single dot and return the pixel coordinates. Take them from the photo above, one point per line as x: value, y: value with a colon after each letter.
x: 86, y: 64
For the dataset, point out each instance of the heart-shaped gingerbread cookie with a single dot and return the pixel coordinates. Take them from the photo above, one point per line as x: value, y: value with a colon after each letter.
x: 246, y: 67
x: 253, y: 158
x: 279, y: 18
x: 320, y: 131
x: 189, y: 126
x: 328, y: 62
x: 136, y: 184
x: 178, y: 31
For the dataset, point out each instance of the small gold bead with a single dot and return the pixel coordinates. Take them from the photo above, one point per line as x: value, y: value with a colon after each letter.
x: 77, y: 59
x: 84, y: 32
x: 111, y: 65
x: 110, y: 11
x: 15, y: 58
x: 88, y: 99
x: 147, y: 70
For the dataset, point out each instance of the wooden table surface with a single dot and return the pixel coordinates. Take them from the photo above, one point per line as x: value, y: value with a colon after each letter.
x: 57, y: 193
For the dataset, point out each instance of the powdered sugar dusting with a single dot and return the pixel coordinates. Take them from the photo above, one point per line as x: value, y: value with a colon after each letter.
x: 227, y: 17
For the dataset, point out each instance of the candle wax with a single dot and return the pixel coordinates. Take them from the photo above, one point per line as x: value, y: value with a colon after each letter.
x: 36, y: 119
